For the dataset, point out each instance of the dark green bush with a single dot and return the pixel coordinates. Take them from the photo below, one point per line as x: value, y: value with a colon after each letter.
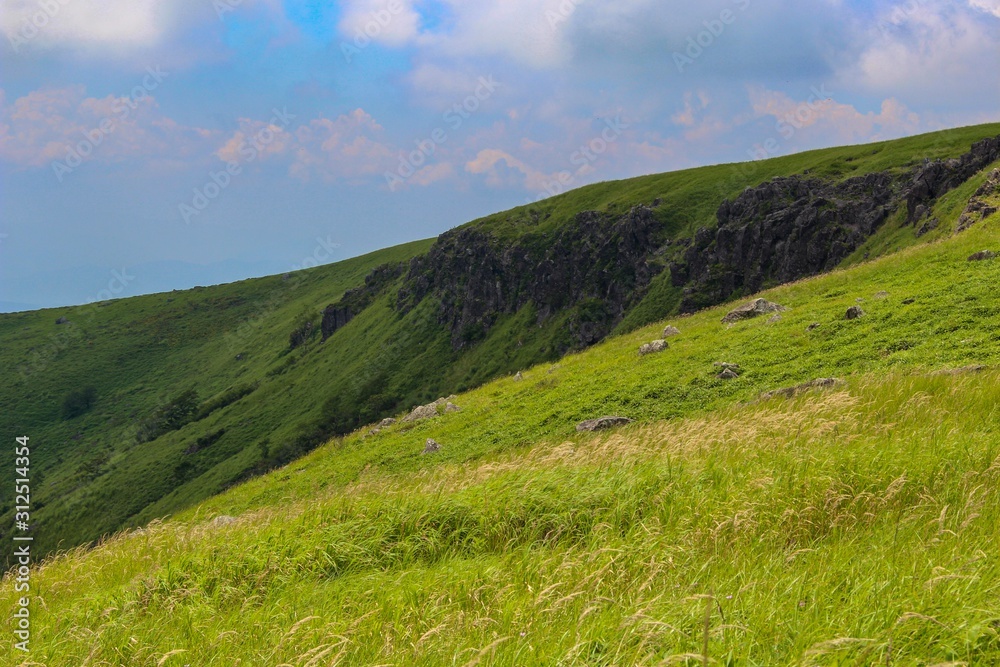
x: 169, y: 417
x: 78, y: 402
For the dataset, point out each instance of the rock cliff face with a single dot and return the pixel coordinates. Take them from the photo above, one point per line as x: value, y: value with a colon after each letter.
x: 794, y: 227
x: 355, y: 300
x: 599, y: 264
x: 781, y: 231
x: 937, y: 177
x: 984, y: 203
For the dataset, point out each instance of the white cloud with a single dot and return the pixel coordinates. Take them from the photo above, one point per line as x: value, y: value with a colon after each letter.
x: 389, y: 22
x: 942, y: 54
x: 835, y: 122
x: 54, y: 124
x: 488, y: 163
x: 529, y: 32
x: 88, y: 23
x: 988, y: 6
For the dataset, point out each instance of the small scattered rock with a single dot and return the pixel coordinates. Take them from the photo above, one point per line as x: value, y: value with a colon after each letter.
x: 222, y: 520
x: 671, y: 330
x: 602, y: 423
x: 755, y: 308
x: 907, y: 302
x: 431, y: 446
x: 854, y: 312
x: 813, y: 326
x: 62, y: 320
x: 655, y: 346
x: 385, y: 423
x: 428, y: 411
x: 725, y: 365
x: 773, y: 319
x: 727, y: 374
x: 519, y: 377
x: 240, y: 356
x: 789, y: 392
x: 928, y: 227
x: 982, y: 256
x: 974, y: 368
x: 431, y: 410
x: 882, y: 295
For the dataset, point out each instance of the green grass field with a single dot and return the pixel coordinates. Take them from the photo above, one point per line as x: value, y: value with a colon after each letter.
x: 264, y: 404
x: 852, y: 526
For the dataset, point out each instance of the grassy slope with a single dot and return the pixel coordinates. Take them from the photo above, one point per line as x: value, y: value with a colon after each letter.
x: 856, y: 526
x: 141, y: 352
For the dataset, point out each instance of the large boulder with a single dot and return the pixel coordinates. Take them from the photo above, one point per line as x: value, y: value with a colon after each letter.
x: 602, y: 423
x: 753, y: 309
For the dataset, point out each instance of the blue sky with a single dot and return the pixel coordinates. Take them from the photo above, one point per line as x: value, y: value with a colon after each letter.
x: 151, y: 145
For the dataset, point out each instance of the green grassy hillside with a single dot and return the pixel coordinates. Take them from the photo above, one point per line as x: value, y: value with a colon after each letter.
x: 855, y: 525
x: 123, y: 440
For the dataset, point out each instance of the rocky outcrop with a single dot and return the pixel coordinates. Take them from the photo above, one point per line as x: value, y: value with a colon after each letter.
x: 936, y: 177
x: 355, y: 300
x: 984, y: 203
x: 794, y: 227
x: 782, y: 230
x: 597, y: 266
